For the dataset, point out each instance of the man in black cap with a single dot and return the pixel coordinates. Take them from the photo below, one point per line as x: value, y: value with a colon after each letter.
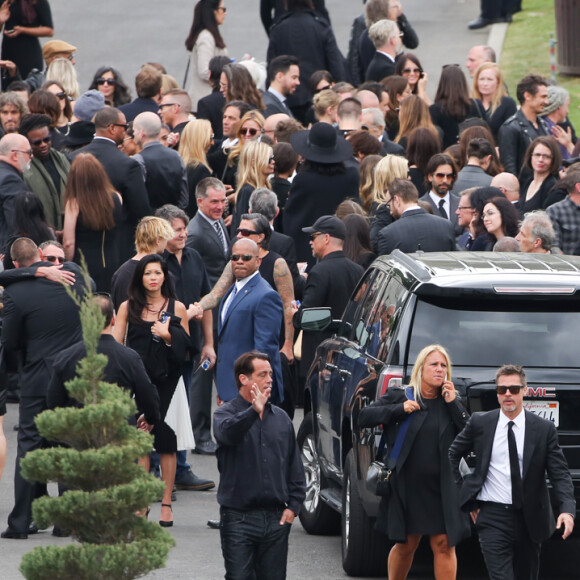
x: 330, y: 282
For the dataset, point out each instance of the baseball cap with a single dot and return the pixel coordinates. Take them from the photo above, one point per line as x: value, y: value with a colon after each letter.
x: 328, y: 224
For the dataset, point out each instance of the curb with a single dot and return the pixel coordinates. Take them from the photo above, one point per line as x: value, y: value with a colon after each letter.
x: 496, y: 38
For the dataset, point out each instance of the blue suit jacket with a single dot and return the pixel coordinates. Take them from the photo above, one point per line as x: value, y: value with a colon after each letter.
x: 252, y: 322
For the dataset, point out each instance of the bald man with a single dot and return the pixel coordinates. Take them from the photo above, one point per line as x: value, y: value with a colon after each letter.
x: 272, y: 122
x: 163, y: 169
x: 477, y: 56
x: 508, y: 183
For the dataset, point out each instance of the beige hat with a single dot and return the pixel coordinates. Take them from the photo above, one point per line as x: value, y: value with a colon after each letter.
x: 53, y: 47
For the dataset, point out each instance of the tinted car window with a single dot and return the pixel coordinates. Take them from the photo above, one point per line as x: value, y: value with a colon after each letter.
x: 483, y: 337
x: 359, y: 295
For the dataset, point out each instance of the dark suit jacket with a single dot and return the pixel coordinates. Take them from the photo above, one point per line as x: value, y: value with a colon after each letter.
x: 274, y: 105
x: 124, y: 367
x: 381, y: 66
x: 541, y: 453
x: 127, y: 178
x: 137, y: 106
x: 165, y: 176
x: 11, y: 184
x: 202, y: 237
x: 453, y: 203
x: 417, y: 230
x: 252, y: 321
x: 211, y: 108
x: 39, y: 320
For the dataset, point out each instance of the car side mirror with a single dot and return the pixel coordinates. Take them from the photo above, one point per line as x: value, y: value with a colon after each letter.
x: 315, y: 319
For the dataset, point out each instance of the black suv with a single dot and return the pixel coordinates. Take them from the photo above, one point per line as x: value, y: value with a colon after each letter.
x: 487, y: 309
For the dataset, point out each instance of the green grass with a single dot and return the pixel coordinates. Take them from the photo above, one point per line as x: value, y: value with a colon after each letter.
x: 527, y: 50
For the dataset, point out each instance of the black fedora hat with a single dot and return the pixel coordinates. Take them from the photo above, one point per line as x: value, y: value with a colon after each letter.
x: 321, y: 144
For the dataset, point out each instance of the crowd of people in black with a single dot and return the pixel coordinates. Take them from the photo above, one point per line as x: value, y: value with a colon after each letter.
x: 300, y: 172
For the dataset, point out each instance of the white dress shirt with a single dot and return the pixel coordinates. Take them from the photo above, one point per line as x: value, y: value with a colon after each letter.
x: 446, y: 206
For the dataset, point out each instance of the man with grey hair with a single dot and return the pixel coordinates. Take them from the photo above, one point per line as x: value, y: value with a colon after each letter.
x: 507, y: 183
x: 373, y: 119
x: 15, y: 156
x: 12, y: 109
x: 163, y: 168
x: 507, y: 244
x: 386, y: 37
x: 265, y: 201
x: 477, y: 56
x: 536, y: 235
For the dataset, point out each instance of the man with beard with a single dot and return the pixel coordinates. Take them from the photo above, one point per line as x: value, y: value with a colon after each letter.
x: 12, y: 108
x: 386, y: 37
x: 414, y: 229
x: 442, y: 175
x: 15, y: 156
x: 284, y: 76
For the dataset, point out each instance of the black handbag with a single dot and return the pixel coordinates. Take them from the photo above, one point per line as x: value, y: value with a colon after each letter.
x: 380, y: 475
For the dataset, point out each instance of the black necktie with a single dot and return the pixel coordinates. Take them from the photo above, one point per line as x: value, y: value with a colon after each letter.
x: 517, y: 489
x: 442, y: 209
x: 220, y: 234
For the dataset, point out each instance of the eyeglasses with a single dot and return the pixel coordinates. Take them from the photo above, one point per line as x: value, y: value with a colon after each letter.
x: 389, y: 202
x: 245, y: 232
x: 322, y: 89
x: 250, y: 131
x: 110, y: 82
x: 541, y: 156
x: 167, y: 105
x: 70, y: 57
x: 29, y: 152
x: 408, y: 71
x: 243, y: 257
x: 223, y: 86
x: 123, y: 125
x: 513, y: 389
x: 38, y: 142
x: 222, y: 8
x: 61, y: 96
x: 466, y: 207
x: 316, y: 234
x: 445, y: 175
x: 489, y: 213
x: 59, y: 259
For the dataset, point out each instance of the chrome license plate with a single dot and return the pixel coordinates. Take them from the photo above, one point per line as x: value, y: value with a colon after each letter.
x: 547, y: 410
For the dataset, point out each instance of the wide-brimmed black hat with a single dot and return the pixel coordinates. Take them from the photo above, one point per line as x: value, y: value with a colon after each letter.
x: 321, y: 144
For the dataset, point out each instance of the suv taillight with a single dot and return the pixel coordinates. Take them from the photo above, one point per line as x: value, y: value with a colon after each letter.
x: 387, y: 380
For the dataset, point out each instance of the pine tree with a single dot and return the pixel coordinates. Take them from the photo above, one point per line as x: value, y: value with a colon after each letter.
x: 97, y: 464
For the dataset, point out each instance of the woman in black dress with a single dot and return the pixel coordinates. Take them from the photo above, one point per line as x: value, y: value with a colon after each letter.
x: 25, y: 21
x: 424, y: 497
x: 155, y: 325
x: 91, y: 214
x: 108, y: 80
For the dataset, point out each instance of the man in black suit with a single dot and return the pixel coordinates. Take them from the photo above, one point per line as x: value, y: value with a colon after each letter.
x: 163, y: 168
x: 284, y: 75
x: 272, y: 10
x: 507, y: 493
x: 386, y: 37
x: 414, y: 229
x: 148, y: 87
x: 40, y: 319
x: 175, y: 110
x: 125, y: 173
x: 15, y: 157
x: 442, y: 174
x: 330, y: 282
x: 207, y: 234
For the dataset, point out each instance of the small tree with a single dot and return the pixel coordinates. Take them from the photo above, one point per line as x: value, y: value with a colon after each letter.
x: 97, y: 464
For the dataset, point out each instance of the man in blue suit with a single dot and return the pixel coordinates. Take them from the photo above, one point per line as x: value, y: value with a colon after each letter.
x: 250, y: 317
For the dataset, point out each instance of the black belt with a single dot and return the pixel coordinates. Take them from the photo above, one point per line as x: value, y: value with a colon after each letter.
x: 505, y: 506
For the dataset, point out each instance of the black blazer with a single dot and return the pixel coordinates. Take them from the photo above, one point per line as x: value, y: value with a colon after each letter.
x: 11, y: 184
x: 381, y: 66
x: 453, y: 203
x: 138, y: 106
x: 211, y: 108
x: 202, y: 237
x: 274, y: 105
x: 541, y: 453
x: 127, y: 178
x: 417, y: 230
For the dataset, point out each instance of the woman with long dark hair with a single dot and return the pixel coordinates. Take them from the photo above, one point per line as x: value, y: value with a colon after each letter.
x: 409, y: 66
x: 24, y: 22
x: 452, y: 104
x: 421, y: 146
x: 357, y: 243
x: 109, y: 81
x: 500, y: 219
x: 91, y: 213
x: 413, y: 113
x: 204, y: 42
x: 398, y: 90
x: 154, y: 324
x: 237, y: 84
x: 64, y: 104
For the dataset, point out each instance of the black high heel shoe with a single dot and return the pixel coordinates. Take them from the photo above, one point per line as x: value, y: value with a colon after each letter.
x: 164, y: 523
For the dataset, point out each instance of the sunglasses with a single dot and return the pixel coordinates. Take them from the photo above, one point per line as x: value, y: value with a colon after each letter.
x: 243, y: 257
x: 444, y: 175
x: 409, y: 71
x: 59, y: 259
x: 245, y: 232
x: 250, y: 131
x: 271, y: 159
x: 38, y: 142
x: 167, y: 105
x: 124, y: 125
x: 61, y: 96
x: 110, y: 82
x: 315, y: 235
x: 513, y: 389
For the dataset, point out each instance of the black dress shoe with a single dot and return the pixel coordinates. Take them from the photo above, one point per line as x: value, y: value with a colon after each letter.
x: 206, y: 447
x: 10, y: 534
x: 478, y: 23
x: 32, y: 528
x: 58, y: 533
x: 213, y: 524
x: 191, y: 481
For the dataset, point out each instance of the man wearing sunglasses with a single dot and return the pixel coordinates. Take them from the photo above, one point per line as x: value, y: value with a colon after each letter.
x: 507, y: 494
x: 48, y: 170
x: 250, y: 317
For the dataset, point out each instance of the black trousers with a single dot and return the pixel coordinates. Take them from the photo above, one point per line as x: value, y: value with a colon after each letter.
x: 492, y: 9
x: 507, y: 549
